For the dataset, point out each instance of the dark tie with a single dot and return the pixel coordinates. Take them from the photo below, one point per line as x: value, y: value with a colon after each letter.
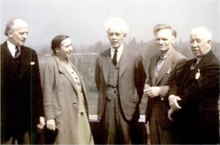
x: 115, y: 57
x: 17, y: 52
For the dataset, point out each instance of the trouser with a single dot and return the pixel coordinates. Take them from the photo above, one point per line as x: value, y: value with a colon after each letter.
x: 160, y: 135
x: 116, y: 129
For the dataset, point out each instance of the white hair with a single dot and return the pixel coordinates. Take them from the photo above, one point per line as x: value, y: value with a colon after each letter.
x: 117, y: 23
x: 202, y: 31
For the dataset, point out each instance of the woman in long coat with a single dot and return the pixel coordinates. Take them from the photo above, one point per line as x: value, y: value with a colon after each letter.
x: 65, y: 103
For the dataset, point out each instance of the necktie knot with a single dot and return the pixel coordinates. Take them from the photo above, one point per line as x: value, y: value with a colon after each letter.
x: 115, y: 57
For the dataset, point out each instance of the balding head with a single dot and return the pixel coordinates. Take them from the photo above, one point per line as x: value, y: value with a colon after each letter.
x: 203, y: 32
x: 13, y: 24
x: 17, y: 31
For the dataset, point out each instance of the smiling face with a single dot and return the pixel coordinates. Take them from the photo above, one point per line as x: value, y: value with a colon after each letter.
x: 18, y: 32
x: 164, y: 39
x: 65, y: 50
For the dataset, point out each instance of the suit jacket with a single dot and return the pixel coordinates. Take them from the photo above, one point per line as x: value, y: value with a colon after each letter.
x: 199, y: 91
x: 158, y: 105
x: 130, y: 85
x: 61, y: 99
x: 21, y: 96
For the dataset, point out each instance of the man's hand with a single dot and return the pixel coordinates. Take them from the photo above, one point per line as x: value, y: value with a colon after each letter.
x: 51, y: 124
x: 42, y: 122
x: 170, y: 112
x: 152, y: 91
x: 173, y: 102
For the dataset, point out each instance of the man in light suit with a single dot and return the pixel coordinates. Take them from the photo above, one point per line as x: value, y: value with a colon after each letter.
x: 120, y: 78
x: 194, y: 93
x: 161, y: 65
x: 21, y: 93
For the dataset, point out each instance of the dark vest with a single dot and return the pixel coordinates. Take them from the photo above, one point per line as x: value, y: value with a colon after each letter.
x: 15, y: 69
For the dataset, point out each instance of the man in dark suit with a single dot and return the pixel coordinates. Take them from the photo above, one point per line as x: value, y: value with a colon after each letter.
x: 120, y: 78
x: 21, y: 92
x: 194, y: 93
x: 160, y: 68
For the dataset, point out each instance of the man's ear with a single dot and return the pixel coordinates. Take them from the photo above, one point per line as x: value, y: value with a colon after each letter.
x: 9, y: 33
x: 209, y: 44
x: 173, y: 39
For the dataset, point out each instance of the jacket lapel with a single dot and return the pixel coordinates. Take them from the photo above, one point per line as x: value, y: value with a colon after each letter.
x: 105, y: 62
x: 25, y: 61
x: 153, y: 69
x: 124, y: 61
x: 205, y: 59
x: 63, y: 70
x: 166, y: 67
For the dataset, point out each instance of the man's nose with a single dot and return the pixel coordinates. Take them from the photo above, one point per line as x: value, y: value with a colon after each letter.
x: 160, y: 41
x: 194, y: 43
x: 71, y: 48
x: 25, y: 35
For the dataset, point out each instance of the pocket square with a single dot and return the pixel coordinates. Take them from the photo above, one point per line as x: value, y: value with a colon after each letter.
x: 32, y: 63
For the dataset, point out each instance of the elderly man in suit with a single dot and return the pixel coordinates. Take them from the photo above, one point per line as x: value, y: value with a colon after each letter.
x: 161, y: 65
x: 194, y: 93
x: 120, y: 78
x: 21, y: 93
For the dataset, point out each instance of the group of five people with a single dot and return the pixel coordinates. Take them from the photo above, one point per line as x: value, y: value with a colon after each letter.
x: 182, y: 94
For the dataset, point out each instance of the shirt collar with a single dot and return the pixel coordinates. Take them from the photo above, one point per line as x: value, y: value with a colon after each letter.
x: 120, y: 50
x: 12, y: 48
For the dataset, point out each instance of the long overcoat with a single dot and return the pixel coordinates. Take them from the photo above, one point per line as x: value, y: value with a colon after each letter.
x: 21, y: 92
x: 61, y: 100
